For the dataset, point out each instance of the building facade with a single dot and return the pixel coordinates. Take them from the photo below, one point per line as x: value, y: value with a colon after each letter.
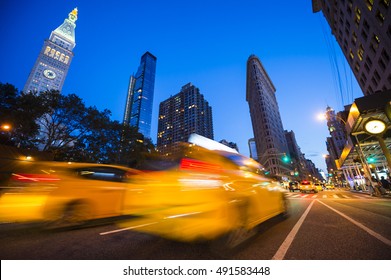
x: 299, y: 162
x: 139, y: 99
x: 52, y: 65
x: 363, y: 32
x: 180, y: 115
x: 268, y: 131
x: 230, y: 144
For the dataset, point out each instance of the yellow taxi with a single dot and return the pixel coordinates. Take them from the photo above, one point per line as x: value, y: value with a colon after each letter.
x: 205, y: 194
x: 307, y: 186
x: 64, y: 194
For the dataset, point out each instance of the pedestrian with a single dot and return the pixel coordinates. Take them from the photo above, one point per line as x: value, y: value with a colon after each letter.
x: 377, y: 186
x: 385, y: 183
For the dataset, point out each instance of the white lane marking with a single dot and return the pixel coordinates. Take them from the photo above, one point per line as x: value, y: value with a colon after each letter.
x: 305, y: 195
x: 280, y: 254
x: 128, y: 228
x: 335, y: 196
x: 295, y: 195
x: 368, y: 230
x: 315, y: 196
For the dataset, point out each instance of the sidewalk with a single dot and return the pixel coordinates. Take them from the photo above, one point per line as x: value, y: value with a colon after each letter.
x: 387, y: 195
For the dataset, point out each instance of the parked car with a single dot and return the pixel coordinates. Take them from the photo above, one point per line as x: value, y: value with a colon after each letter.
x: 205, y: 195
x: 294, y: 186
x: 307, y: 186
x: 64, y: 194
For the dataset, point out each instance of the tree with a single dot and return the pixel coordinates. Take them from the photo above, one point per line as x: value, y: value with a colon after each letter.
x: 20, y: 111
x: 63, y: 125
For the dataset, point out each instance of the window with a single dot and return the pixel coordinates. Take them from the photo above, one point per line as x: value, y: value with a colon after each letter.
x: 357, y: 67
x: 354, y: 38
x: 366, y: 25
x: 351, y: 55
x: 360, y: 52
x: 358, y: 16
x: 369, y: 4
x: 385, y: 55
x: 385, y: 3
x: 382, y: 64
x: 380, y: 17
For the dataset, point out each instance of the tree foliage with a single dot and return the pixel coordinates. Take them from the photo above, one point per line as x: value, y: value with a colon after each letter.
x: 65, y: 126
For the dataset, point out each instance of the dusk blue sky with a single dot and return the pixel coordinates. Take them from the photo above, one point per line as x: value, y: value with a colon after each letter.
x: 203, y: 42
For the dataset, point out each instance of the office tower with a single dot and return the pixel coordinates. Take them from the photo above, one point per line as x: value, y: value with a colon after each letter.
x: 253, y: 149
x: 266, y: 121
x: 337, y: 141
x: 180, y: 115
x: 52, y: 65
x: 139, y: 100
x: 363, y: 32
x: 299, y: 162
x: 229, y: 144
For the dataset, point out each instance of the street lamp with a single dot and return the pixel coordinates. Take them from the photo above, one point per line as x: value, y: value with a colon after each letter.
x: 6, y: 127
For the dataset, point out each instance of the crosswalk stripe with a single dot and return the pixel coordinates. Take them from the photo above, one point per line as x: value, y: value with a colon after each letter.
x: 345, y: 196
x: 324, y: 196
x: 315, y: 196
x: 360, y: 197
x: 305, y: 195
x: 335, y: 196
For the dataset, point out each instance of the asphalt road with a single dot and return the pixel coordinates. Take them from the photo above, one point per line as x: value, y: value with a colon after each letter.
x: 330, y: 225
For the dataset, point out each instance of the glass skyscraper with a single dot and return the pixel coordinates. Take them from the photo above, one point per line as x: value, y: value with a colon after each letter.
x: 139, y: 101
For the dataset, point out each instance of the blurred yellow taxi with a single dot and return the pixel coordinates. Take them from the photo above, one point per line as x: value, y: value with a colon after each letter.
x: 203, y: 195
x: 307, y: 186
x: 64, y: 194
x: 319, y: 186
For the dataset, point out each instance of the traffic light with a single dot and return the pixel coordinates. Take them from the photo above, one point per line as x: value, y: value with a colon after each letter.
x: 296, y: 173
x: 285, y: 158
x: 371, y: 159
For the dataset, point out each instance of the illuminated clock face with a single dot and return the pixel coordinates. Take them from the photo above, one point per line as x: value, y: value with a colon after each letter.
x: 375, y: 126
x: 49, y: 74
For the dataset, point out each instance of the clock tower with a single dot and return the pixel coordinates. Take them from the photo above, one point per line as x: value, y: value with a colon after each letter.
x: 51, y: 67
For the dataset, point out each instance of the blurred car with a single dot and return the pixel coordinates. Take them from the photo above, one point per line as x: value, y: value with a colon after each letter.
x: 204, y: 195
x: 318, y: 186
x: 64, y: 194
x: 307, y: 186
x: 294, y: 186
x: 329, y: 187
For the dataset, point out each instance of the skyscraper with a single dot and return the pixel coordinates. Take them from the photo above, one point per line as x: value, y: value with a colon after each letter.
x: 269, y: 135
x: 52, y: 65
x: 139, y: 100
x: 180, y: 115
x: 363, y: 32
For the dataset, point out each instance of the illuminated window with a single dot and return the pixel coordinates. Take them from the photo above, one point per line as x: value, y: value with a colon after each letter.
x: 360, y: 52
x: 358, y: 16
x: 351, y: 54
x: 386, y: 3
x: 369, y: 4
x: 380, y: 17
x: 354, y: 38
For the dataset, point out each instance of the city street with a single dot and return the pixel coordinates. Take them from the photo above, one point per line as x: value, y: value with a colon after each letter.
x: 329, y: 225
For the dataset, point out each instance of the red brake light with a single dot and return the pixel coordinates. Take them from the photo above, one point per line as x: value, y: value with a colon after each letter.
x: 198, y: 165
x: 31, y: 178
